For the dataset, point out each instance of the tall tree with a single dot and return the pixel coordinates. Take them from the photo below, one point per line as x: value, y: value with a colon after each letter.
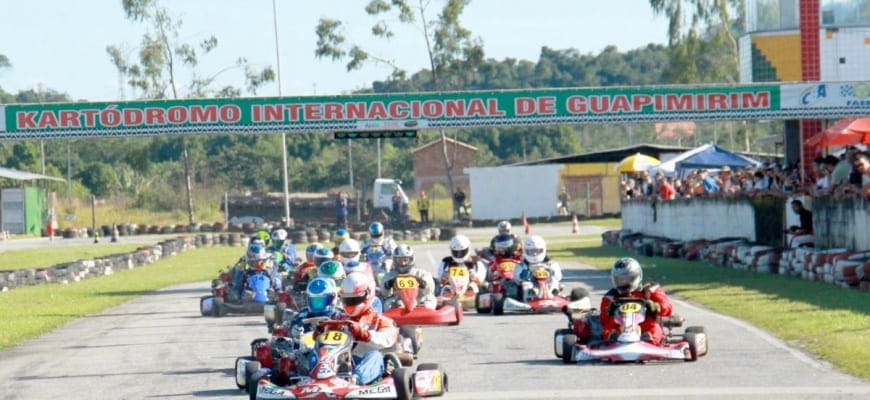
x: 450, y: 47
x: 4, y: 61
x: 161, y: 57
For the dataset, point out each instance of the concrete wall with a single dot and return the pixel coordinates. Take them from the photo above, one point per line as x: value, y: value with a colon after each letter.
x: 508, y: 192
x: 691, y: 219
x: 842, y: 224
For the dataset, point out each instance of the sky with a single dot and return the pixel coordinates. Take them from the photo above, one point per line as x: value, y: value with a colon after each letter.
x: 60, y: 44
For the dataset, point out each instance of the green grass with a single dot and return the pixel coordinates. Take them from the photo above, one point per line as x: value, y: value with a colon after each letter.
x: 48, y: 256
x: 605, y: 222
x: 31, y: 311
x: 828, y: 320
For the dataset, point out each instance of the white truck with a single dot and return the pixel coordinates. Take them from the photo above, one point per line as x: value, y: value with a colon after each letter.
x: 383, y: 192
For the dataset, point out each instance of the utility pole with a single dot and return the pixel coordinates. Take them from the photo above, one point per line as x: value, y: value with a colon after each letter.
x: 283, y: 134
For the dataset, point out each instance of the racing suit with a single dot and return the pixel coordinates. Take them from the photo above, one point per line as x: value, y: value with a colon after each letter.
x: 476, y: 269
x: 658, y: 305
x: 376, y: 256
x: 554, y: 280
x: 426, y: 295
x: 305, y: 272
x: 378, y: 333
x: 296, y: 329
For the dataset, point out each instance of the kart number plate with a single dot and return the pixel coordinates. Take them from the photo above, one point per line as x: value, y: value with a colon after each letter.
x: 541, y: 273
x: 507, y: 266
x: 406, y: 282
x: 459, y: 272
x: 332, y: 338
x: 629, y: 308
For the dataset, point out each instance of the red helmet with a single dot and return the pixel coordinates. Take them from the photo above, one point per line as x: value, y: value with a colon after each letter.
x: 357, y: 293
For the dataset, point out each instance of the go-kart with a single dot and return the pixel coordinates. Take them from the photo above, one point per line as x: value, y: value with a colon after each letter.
x: 457, y: 285
x: 404, y: 309
x: 238, y: 291
x: 511, y: 296
x: 331, y: 375
x: 580, y: 343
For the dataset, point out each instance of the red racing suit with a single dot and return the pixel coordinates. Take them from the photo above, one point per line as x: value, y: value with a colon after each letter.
x: 380, y: 332
x: 650, y: 325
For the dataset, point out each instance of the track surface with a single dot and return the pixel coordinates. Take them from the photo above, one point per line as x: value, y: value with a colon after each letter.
x: 158, y: 346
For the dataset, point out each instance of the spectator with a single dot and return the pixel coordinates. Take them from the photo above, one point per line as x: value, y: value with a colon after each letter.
x: 711, y: 186
x: 423, y: 207
x: 397, y: 208
x: 843, y: 167
x: 563, y: 201
x: 806, y: 218
x: 459, y: 203
x: 666, y: 190
x: 725, y: 176
x: 341, y: 204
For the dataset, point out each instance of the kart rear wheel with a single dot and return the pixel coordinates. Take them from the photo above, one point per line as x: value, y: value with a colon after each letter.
x: 578, y: 293
x: 457, y: 311
x: 498, y: 304
x: 241, y: 371
x: 252, y: 376
x: 436, y: 367
x: 557, y: 344
x: 568, y: 342
x: 404, y: 385
x: 478, y: 307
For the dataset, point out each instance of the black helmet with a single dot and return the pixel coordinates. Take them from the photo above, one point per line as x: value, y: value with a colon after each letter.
x: 504, y: 244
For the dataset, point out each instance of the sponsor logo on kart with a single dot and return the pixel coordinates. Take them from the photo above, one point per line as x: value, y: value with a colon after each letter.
x: 380, y: 389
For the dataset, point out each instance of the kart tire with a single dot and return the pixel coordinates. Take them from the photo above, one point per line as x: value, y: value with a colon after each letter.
x: 436, y: 367
x: 695, y: 329
x: 252, y: 375
x: 478, y: 308
x: 410, y: 332
x: 578, y: 293
x: 457, y: 310
x: 498, y: 304
x: 218, y: 309
x: 692, y: 338
x: 403, y: 379
x: 558, y: 345
x: 236, y: 371
x: 568, y: 342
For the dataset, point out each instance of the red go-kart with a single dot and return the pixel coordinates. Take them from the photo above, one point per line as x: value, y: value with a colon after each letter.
x: 408, y: 312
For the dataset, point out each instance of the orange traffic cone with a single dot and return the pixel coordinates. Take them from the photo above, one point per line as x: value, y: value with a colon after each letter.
x: 526, y: 224
x: 575, y: 227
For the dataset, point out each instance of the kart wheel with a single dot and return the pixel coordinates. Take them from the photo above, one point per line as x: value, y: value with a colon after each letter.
x: 436, y: 367
x: 410, y: 332
x: 241, y: 371
x: 404, y: 385
x: 697, y: 344
x: 568, y: 342
x: 252, y: 375
x: 478, y: 308
x: 218, y: 307
x: 695, y: 329
x: 202, y: 301
x: 457, y: 310
x: 498, y: 304
x: 557, y: 342
x: 578, y: 293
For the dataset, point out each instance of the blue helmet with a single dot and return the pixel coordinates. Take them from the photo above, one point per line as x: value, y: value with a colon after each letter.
x: 321, y: 295
x: 311, y: 251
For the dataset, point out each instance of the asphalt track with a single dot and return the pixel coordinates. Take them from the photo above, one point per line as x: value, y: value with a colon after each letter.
x: 158, y: 347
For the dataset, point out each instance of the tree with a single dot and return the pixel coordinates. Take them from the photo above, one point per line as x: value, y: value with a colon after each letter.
x: 162, y: 56
x: 451, y: 49
x: 4, y: 61
x: 100, y: 178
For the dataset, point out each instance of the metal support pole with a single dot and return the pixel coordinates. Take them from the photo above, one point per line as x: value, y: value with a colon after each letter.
x: 379, y: 157
x: 94, y: 218
x: 588, y: 200
x: 350, y: 162
x: 283, y: 134
x: 226, y: 209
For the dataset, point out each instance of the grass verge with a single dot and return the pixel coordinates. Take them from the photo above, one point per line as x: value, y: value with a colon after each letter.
x: 828, y: 320
x: 48, y: 256
x: 31, y: 311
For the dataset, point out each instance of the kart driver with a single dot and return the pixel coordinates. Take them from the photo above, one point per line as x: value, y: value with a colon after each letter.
x: 504, y: 229
x: 534, y: 257
x: 373, y: 332
x: 322, y: 296
x: 301, y: 273
x: 626, y: 277
x: 378, y: 247
x: 460, y: 253
x: 349, y: 255
x: 403, y: 264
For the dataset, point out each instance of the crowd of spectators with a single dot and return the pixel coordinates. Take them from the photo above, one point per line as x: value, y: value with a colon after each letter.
x: 843, y: 176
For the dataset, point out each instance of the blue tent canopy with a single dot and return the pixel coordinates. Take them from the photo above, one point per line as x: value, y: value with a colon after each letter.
x: 715, y: 157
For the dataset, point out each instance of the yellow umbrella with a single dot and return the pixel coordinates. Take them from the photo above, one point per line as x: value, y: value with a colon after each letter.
x: 636, y: 163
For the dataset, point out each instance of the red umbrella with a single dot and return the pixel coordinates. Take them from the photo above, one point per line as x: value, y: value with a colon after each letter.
x: 845, y: 132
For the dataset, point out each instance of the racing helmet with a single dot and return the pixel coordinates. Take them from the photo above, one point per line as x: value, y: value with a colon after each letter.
x: 460, y: 245
x: 331, y: 269
x: 504, y: 228
x: 357, y: 293
x: 258, y: 240
x: 403, y: 258
x: 340, y: 235
x: 323, y: 255
x: 278, y: 236
x: 349, y: 250
x: 321, y: 295
x: 534, y: 249
x: 504, y: 245
x: 376, y: 231
x: 626, y: 275
x: 311, y: 250
x: 256, y: 256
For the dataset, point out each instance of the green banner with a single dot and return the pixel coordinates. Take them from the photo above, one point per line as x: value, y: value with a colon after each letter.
x: 395, y: 111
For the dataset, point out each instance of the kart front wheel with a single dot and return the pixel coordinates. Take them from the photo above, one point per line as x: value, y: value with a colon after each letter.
x: 557, y: 340
x: 697, y: 345
x: 480, y: 309
x: 498, y: 304
x: 404, y: 384
x: 436, y: 367
x: 568, y: 342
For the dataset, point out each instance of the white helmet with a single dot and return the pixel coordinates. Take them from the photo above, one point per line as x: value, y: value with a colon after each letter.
x: 279, y: 235
x: 504, y: 227
x: 349, y: 251
x: 534, y: 249
x: 459, y: 247
x: 357, y: 293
